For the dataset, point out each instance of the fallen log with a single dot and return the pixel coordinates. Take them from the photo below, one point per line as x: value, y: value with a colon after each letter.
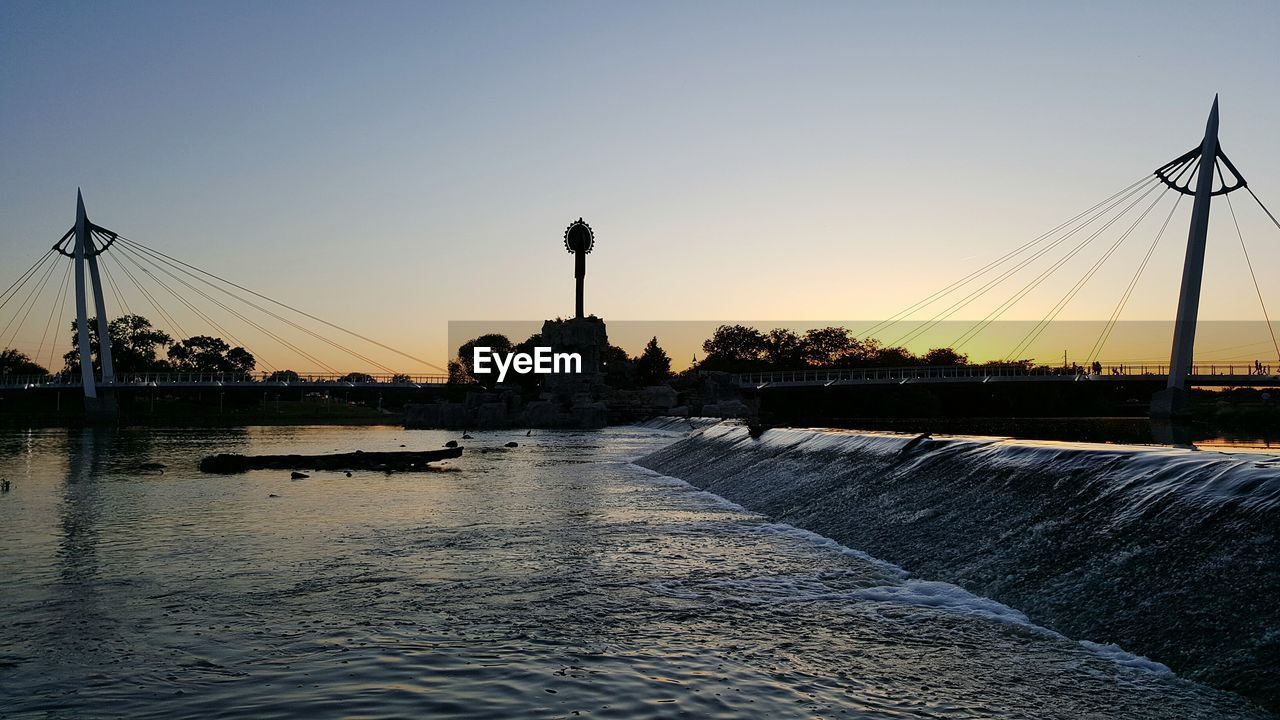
x: 227, y: 463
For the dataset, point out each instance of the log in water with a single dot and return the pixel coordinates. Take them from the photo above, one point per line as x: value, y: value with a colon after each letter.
x: 227, y: 463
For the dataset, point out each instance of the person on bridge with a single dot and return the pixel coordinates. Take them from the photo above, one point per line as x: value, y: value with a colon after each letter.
x: 1097, y: 367
x: 1257, y: 367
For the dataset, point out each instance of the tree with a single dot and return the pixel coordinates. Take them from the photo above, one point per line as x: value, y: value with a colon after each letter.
x: 859, y: 353
x: 893, y: 357
x: 734, y: 348
x: 653, y: 367
x: 13, y: 362
x: 618, y: 368
x: 784, y: 350
x: 285, y: 376
x: 401, y: 379
x: 356, y: 377
x: 458, y: 374
x: 496, y: 342
x: 944, y: 356
x: 824, y: 347
x: 203, y: 353
x: 135, y: 345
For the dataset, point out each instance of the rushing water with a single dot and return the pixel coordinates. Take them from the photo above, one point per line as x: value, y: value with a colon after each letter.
x: 555, y: 579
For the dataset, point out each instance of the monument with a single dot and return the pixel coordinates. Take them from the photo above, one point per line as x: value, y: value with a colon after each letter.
x: 579, y: 393
x: 583, y: 334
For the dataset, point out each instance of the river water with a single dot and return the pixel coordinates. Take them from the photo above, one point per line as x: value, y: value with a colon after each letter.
x: 555, y: 579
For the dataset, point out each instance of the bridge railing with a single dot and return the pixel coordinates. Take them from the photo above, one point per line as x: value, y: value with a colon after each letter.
x: 264, y: 379
x: 982, y: 372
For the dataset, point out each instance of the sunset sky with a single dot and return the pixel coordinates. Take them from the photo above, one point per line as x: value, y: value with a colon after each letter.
x: 392, y: 167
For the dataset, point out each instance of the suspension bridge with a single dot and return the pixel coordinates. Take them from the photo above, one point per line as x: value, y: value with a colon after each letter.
x: 165, y: 283
x: 167, y: 288
x: 1202, y: 173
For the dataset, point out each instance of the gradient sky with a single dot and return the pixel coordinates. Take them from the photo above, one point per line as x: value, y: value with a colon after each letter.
x: 395, y: 166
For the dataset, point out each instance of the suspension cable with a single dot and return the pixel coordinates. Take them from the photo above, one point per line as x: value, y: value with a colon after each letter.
x: 114, y: 287
x: 25, y: 308
x: 1264, y: 207
x: 299, y: 351
x: 965, y: 301
x: 173, y: 326
x: 285, y: 320
x: 894, y: 319
x: 283, y: 305
x: 12, y: 291
x: 1004, y: 307
x: 58, y: 302
x: 218, y: 328
x: 62, y: 307
x: 1256, y: 287
x: 1101, y: 342
x: 1057, y: 309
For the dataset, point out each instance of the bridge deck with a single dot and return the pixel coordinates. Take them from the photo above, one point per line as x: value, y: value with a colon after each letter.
x: 1201, y: 375
x: 229, y: 381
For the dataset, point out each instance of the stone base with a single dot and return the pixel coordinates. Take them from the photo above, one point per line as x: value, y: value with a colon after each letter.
x: 102, y: 410
x: 1170, y: 431
x: 1171, y: 403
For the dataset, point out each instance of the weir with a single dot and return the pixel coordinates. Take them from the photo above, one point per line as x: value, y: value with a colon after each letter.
x: 1166, y: 553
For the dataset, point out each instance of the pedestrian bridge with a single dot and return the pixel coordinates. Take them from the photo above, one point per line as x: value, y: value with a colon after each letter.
x: 229, y: 381
x: 1212, y: 375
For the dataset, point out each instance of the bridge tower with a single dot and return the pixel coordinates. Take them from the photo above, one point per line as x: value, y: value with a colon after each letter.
x: 99, y: 404
x: 1204, y: 163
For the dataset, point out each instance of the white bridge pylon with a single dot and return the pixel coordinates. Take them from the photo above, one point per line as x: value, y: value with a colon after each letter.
x: 85, y: 252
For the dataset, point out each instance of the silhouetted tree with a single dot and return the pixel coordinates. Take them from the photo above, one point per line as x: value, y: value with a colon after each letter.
x: 458, y: 374
x: 529, y: 345
x: 401, y: 379
x: 893, y: 357
x: 135, y: 345
x: 739, y: 348
x: 784, y: 349
x: 13, y: 362
x: 287, y: 376
x: 618, y: 367
x: 944, y: 356
x: 496, y: 343
x: 203, y: 353
x: 734, y: 348
x: 824, y: 347
x: 356, y: 377
x: 653, y: 367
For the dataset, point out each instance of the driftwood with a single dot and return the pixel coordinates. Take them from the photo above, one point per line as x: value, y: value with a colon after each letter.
x: 227, y: 463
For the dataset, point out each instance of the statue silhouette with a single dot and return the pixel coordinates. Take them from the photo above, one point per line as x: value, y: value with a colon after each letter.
x: 578, y: 239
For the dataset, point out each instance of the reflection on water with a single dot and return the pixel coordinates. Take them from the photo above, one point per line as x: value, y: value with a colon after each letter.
x: 551, y: 580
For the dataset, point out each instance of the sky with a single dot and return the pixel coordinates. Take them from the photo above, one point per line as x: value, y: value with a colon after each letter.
x: 391, y: 167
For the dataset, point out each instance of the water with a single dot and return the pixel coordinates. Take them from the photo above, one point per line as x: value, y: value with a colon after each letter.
x: 552, y: 580
x: 1172, y: 553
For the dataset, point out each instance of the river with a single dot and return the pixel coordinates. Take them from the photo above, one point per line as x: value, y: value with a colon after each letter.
x: 554, y: 579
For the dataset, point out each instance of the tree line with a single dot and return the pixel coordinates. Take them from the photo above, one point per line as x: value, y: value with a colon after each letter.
x: 731, y: 348
x: 741, y: 348
x: 138, y: 347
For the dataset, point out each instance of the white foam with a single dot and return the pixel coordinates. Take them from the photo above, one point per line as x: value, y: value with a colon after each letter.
x: 1120, y: 656
x: 944, y: 596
